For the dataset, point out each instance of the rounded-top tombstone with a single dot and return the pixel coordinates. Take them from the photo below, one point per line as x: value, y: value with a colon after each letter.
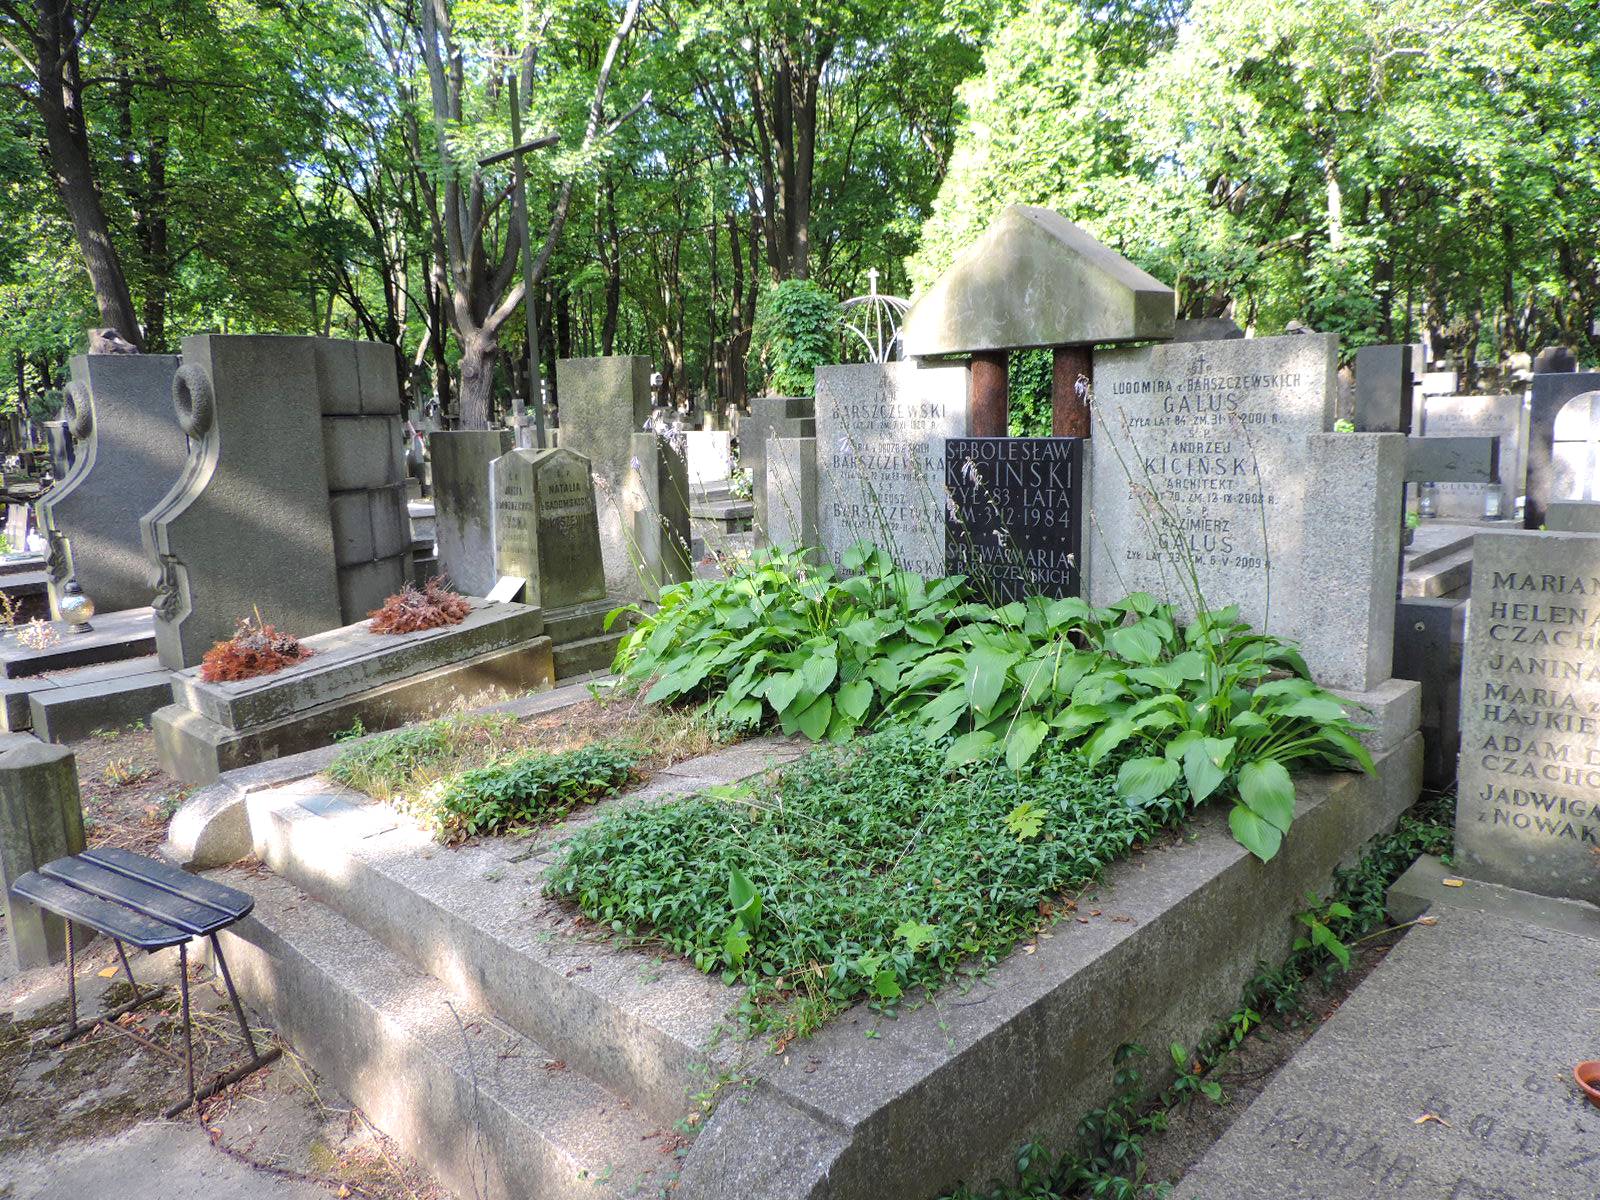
x: 547, y: 528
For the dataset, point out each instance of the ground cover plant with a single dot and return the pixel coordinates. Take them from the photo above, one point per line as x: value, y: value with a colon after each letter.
x: 1182, y: 711
x: 412, y: 609
x: 479, y: 773
x: 256, y: 648
x: 860, y: 871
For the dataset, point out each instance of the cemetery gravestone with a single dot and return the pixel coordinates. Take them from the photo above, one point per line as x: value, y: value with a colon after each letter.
x: 546, y: 529
x: 1528, y: 802
x: 655, y: 499
x: 247, y: 527
x: 605, y: 402
x: 881, y: 432
x: 1213, y: 457
x: 709, y: 455
x: 41, y: 819
x: 790, y: 479
x: 129, y: 452
x: 1479, y: 416
x: 1012, y: 524
x: 462, y: 502
x: 770, y: 417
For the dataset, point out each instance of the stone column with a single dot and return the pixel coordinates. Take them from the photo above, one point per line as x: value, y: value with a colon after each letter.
x: 41, y: 819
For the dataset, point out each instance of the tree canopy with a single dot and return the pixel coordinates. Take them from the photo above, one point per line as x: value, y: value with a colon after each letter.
x: 1387, y: 169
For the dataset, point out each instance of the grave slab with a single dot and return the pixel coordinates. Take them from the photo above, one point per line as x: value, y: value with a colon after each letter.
x: 70, y: 711
x: 1528, y: 804
x: 1574, y: 516
x: 1447, y: 1075
x: 881, y: 429
x: 129, y: 452
x: 196, y: 750
x: 347, y: 661
x: 113, y: 636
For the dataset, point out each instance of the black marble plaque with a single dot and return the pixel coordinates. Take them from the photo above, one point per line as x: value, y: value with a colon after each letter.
x: 1013, y: 517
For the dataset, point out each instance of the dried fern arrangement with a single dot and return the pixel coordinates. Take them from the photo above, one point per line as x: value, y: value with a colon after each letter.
x: 412, y: 609
x: 255, y: 648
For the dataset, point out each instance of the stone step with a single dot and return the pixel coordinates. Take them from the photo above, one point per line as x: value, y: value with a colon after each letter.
x: 474, y: 918
x: 490, y: 1112
x: 76, y: 710
x: 587, y: 655
x: 1440, y: 577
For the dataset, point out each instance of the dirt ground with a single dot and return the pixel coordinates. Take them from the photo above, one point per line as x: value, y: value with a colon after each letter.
x: 66, y: 1113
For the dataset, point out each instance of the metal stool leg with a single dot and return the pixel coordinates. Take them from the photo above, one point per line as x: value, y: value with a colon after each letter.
x: 188, y: 1028
x: 127, y: 970
x: 233, y: 995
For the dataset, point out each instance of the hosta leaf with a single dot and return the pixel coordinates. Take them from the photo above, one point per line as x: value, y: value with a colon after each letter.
x: 853, y: 699
x: 813, y: 722
x: 1024, y: 739
x: 1267, y: 790
x: 782, y: 688
x: 1108, y: 739
x: 1254, y: 834
x: 1141, y: 780
x: 985, y: 675
x: 970, y: 747
x: 1139, y: 643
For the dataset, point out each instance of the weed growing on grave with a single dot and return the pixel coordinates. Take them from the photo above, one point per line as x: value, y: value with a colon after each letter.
x: 858, y: 872
x: 255, y: 649
x: 531, y: 788
x: 412, y: 609
x: 1179, y: 713
x: 401, y: 765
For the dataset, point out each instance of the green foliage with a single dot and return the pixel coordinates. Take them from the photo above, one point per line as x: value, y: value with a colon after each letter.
x: 529, y: 788
x: 394, y: 765
x: 796, y: 331
x: 1181, y: 713
x: 857, y: 872
x: 1029, y: 375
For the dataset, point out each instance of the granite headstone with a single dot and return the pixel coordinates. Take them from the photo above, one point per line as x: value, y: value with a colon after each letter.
x: 1528, y: 800
x: 1013, y: 522
x: 1480, y: 416
x: 546, y: 530
x: 246, y: 528
x: 462, y: 502
x: 129, y: 452
x: 770, y: 417
x: 881, y: 431
x: 791, y: 487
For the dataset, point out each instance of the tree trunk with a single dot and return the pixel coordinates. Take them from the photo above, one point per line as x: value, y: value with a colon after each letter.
x: 60, y: 104
x: 477, y: 377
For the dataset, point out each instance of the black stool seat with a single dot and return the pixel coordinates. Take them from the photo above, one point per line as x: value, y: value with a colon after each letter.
x: 151, y: 905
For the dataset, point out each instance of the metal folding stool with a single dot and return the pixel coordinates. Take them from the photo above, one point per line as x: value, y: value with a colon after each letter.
x: 150, y: 905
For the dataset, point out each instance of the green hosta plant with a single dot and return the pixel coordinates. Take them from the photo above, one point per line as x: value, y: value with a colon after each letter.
x: 1180, y: 712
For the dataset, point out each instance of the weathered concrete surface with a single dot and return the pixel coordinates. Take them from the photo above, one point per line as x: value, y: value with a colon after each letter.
x: 1035, y: 279
x: 41, y: 819
x: 945, y: 1092
x: 1392, y: 711
x: 770, y: 417
x: 1428, y: 882
x: 791, y: 500
x: 1574, y: 516
x: 488, y: 1111
x: 462, y: 504
x: 1478, y: 1021
x: 113, y: 637
x: 196, y: 750
x: 353, y: 659
x: 129, y: 452
x: 158, y: 1160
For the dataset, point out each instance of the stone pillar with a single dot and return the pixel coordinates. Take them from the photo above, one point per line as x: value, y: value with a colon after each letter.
x: 791, y: 500
x: 463, y: 504
x: 129, y: 452
x: 656, y: 501
x: 41, y: 819
x: 988, y: 396
x: 770, y: 417
x: 246, y: 528
x: 1069, y: 412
